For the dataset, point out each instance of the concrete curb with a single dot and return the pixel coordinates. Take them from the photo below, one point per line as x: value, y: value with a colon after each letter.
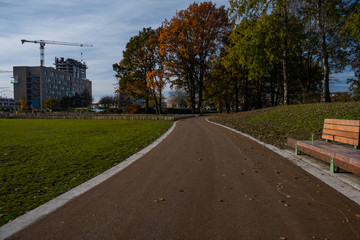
x: 25, y: 220
x: 346, y: 185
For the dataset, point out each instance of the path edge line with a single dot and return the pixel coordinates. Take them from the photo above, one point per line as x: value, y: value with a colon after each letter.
x: 27, y: 219
x: 339, y: 183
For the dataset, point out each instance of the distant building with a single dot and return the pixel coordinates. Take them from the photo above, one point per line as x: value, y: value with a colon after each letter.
x: 36, y: 84
x: 74, y: 67
x: 6, y: 104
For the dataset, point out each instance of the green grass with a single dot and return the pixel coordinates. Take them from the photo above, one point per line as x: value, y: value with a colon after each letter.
x: 41, y: 159
x: 275, y: 125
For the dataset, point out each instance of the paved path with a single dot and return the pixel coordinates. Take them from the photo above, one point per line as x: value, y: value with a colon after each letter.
x: 205, y: 182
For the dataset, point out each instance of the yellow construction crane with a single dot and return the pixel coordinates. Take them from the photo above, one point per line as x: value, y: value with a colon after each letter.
x: 44, y: 42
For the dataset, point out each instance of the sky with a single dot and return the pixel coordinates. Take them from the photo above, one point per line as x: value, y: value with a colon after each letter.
x: 107, y: 24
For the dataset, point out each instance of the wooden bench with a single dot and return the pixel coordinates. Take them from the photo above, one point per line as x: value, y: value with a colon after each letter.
x: 344, y: 131
x: 339, y: 134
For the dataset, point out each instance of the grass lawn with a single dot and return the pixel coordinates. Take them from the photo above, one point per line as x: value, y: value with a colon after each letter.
x: 275, y: 125
x: 41, y: 159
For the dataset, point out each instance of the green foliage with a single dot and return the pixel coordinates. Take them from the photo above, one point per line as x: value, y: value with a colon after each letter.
x: 138, y: 60
x: 354, y: 88
x: 275, y: 125
x: 108, y: 101
x: 51, y: 103
x: 41, y: 159
x: 291, y: 41
x: 82, y: 100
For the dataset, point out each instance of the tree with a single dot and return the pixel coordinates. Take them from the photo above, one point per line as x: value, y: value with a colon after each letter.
x: 22, y: 103
x: 219, y: 89
x: 86, y: 98
x: 189, y: 41
x: 329, y: 18
x: 179, y: 98
x: 138, y: 60
x: 157, y: 78
x: 266, y: 36
x: 107, y: 101
x: 51, y: 103
x: 223, y: 82
x: 81, y: 100
x: 352, y: 30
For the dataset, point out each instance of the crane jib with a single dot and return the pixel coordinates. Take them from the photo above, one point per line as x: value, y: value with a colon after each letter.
x: 43, y: 42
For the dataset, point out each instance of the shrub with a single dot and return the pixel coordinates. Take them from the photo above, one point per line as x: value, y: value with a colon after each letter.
x: 132, y: 109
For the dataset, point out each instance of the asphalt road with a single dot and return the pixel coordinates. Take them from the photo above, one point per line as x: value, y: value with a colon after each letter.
x: 205, y: 182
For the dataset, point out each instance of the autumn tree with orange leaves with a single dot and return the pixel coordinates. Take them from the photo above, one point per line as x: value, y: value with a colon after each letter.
x: 189, y: 41
x: 138, y: 60
x: 157, y: 78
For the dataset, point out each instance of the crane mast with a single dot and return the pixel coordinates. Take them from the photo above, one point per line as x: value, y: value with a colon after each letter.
x: 44, y: 42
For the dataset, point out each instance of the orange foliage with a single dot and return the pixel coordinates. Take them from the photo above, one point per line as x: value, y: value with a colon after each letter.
x: 190, y: 40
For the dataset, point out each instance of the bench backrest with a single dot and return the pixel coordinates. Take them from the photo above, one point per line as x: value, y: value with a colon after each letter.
x: 340, y: 130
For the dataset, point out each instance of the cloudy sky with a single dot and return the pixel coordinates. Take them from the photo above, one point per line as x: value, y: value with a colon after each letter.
x: 107, y: 24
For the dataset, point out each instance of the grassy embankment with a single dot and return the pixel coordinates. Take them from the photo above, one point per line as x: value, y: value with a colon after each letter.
x: 275, y: 125
x: 41, y: 159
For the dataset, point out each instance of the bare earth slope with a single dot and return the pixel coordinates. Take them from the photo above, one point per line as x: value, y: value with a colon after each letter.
x: 205, y: 182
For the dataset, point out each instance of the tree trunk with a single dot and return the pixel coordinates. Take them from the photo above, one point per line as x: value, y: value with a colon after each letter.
x: 160, y: 101
x: 285, y: 57
x: 285, y: 78
x: 246, y: 100
x: 326, y: 69
x: 192, y: 98
x: 321, y: 24
x: 200, y: 98
x: 236, y: 94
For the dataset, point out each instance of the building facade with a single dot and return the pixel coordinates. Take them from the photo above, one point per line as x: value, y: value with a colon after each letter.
x: 6, y: 104
x: 36, y: 84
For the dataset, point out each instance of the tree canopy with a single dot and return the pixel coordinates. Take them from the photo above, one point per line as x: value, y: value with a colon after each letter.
x: 189, y: 41
x: 256, y: 54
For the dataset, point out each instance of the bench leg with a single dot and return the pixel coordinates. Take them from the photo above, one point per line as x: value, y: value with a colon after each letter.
x: 312, y: 139
x: 296, y: 150
x: 333, y: 168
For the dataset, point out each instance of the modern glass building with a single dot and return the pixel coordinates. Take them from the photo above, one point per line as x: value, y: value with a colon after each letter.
x: 36, y: 84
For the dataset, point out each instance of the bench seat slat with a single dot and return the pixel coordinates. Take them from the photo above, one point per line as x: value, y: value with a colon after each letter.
x: 342, y: 122
x: 352, y: 135
x: 344, y: 128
